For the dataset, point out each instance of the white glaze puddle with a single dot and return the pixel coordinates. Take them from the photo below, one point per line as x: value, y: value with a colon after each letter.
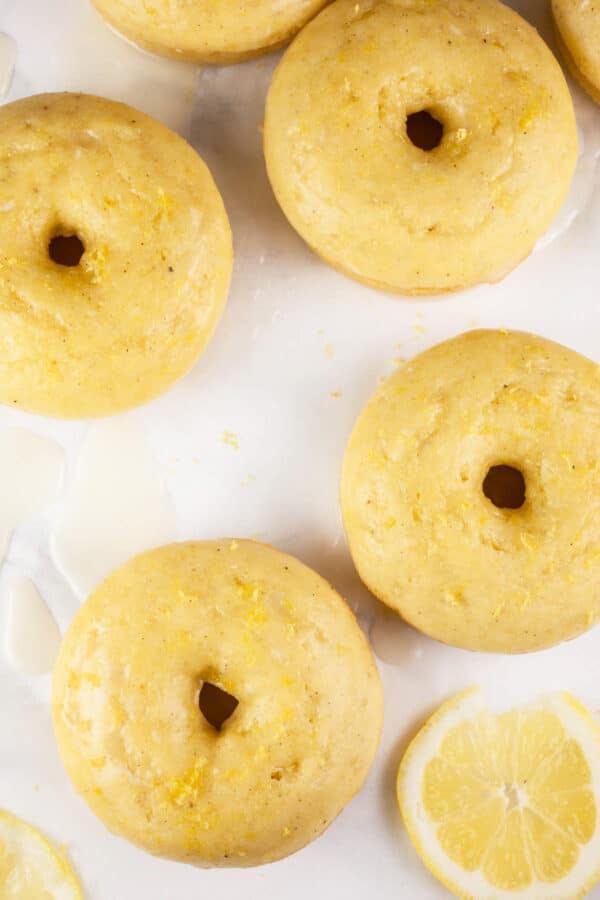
x: 580, y: 193
x: 81, y: 53
x: 393, y: 640
x: 116, y: 507
x: 31, y: 468
x: 8, y: 57
x: 586, y: 173
x: 32, y: 635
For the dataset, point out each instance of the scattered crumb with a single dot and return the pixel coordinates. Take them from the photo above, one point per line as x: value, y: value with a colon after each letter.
x: 419, y: 329
x: 231, y: 439
x: 474, y: 323
x: 399, y: 361
x: 36, y: 788
x: 335, y: 394
x: 249, y: 479
x: 329, y: 351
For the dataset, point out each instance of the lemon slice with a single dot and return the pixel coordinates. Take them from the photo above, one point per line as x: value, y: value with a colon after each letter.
x: 506, y: 806
x: 30, y: 868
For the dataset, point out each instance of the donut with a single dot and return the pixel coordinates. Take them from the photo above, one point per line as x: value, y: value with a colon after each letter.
x: 420, y: 147
x: 216, y: 703
x: 577, y: 28
x: 115, y: 256
x: 202, y: 31
x: 470, y: 492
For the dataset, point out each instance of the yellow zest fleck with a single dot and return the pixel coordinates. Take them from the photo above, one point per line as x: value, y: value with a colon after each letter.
x: 231, y: 439
x: 247, y: 590
x: 76, y: 678
x: 189, y: 784
x: 94, y: 263
x: 455, y: 597
x: 165, y: 204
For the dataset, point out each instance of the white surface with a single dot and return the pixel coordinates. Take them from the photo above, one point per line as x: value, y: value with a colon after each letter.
x: 294, y: 335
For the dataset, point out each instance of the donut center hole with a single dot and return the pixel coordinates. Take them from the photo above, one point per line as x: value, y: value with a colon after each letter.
x: 66, y: 250
x: 505, y: 487
x: 216, y: 705
x: 424, y: 130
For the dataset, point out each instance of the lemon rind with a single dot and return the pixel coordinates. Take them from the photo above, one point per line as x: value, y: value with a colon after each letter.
x: 65, y: 872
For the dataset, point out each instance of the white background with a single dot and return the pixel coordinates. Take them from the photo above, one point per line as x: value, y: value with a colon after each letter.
x: 293, y: 333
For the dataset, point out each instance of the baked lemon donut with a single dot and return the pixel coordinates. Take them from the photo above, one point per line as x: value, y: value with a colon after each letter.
x: 203, y: 31
x: 420, y: 147
x: 289, y: 695
x: 115, y: 256
x: 471, y: 492
x: 578, y: 35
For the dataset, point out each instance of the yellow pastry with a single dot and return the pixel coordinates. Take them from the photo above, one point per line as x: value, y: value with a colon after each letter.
x: 578, y: 34
x: 216, y: 703
x: 204, y: 31
x: 420, y: 147
x: 471, y: 492
x: 115, y: 256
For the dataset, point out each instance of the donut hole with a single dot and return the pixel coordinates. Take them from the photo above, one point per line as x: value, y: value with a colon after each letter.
x: 424, y: 130
x: 216, y: 705
x: 505, y: 487
x: 66, y: 250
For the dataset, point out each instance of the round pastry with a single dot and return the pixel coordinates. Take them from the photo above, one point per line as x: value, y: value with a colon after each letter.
x: 578, y: 37
x: 420, y: 147
x: 203, y: 31
x: 115, y: 256
x: 471, y: 492
x: 216, y: 703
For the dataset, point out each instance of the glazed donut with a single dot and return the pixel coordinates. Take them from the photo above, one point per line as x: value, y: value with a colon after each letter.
x: 471, y: 492
x: 216, y: 703
x: 577, y: 26
x: 202, y: 31
x: 420, y: 147
x: 115, y: 256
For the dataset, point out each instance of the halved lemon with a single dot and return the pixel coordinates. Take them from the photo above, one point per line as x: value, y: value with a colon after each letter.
x: 507, y: 805
x: 30, y: 868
